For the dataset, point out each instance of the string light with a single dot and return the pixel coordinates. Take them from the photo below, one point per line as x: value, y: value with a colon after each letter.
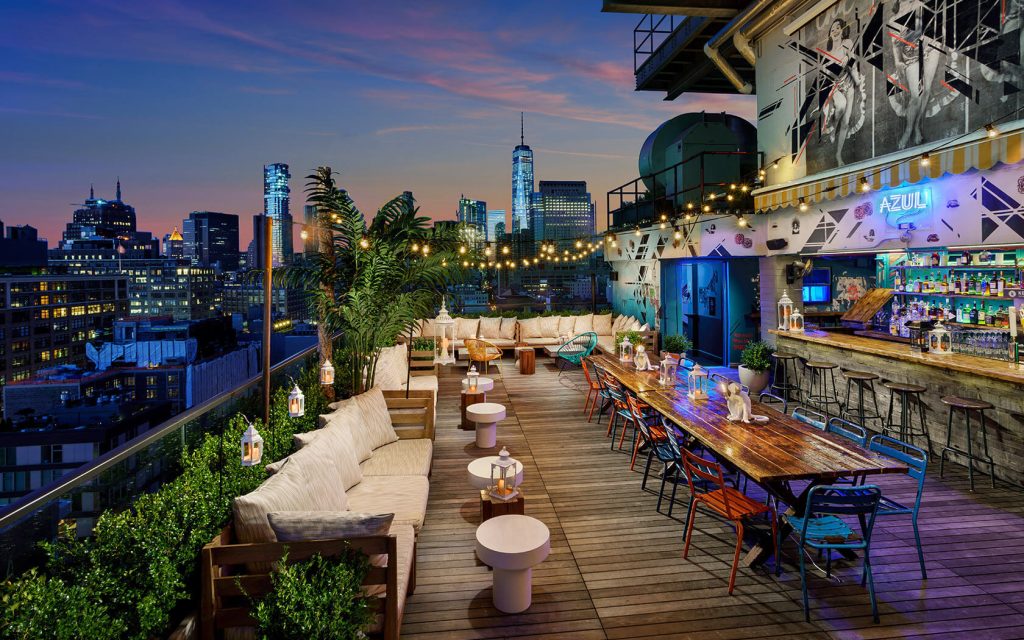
x: 991, y: 129
x: 677, y: 235
x: 864, y: 184
x: 664, y: 217
x: 304, y: 234
x: 803, y: 205
x: 504, y: 251
x: 462, y: 250
x: 689, y: 205
x: 707, y: 208
x: 637, y: 232
x: 579, y: 244
x: 487, y: 251
x: 741, y: 221
x: 925, y: 159
x: 415, y: 246
x: 426, y: 249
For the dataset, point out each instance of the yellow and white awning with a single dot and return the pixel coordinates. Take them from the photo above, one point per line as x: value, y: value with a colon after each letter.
x: 981, y: 152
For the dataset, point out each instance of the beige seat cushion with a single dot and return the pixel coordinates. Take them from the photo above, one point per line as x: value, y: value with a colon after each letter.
x: 566, y: 326
x: 502, y: 343
x: 404, y: 496
x: 584, y: 323
x: 603, y: 324
x: 541, y: 342
x: 335, y: 442
x: 530, y: 328
x: 466, y: 327
x: 606, y: 344
x: 411, y: 457
x: 508, y: 328
x: 377, y: 429
x: 549, y: 327
x: 347, y: 415
x: 424, y: 383
x: 313, y: 485
x: 619, y: 324
x: 490, y: 328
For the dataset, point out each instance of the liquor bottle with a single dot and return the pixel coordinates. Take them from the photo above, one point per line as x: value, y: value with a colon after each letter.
x: 974, y: 314
x: 1000, y: 285
x: 982, y: 316
x: 917, y: 285
x: 954, y: 283
x: 897, y: 283
x: 926, y: 284
x: 963, y: 283
x: 984, y: 286
x: 943, y: 285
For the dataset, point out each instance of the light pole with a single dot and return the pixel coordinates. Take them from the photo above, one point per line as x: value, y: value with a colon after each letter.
x: 268, y: 266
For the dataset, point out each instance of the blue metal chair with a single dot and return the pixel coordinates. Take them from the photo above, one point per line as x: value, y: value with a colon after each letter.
x: 848, y: 430
x: 603, y: 395
x: 917, y: 460
x: 823, y: 528
x: 576, y: 348
x: 770, y: 399
x: 814, y: 418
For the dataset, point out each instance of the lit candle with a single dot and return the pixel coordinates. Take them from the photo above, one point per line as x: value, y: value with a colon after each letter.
x: 501, y: 486
x: 444, y: 345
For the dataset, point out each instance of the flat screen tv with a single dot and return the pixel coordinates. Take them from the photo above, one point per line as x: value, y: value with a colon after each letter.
x: 818, y: 286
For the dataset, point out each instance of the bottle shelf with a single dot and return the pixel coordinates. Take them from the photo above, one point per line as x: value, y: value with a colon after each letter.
x: 968, y: 325
x: 971, y: 296
x: 953, y: 267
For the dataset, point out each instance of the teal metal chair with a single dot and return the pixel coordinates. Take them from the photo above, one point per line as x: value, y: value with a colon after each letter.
x: 810, y: 416
x: 576, y: 348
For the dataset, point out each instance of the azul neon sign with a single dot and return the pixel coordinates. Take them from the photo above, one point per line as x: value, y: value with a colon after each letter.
x: 901, y: 208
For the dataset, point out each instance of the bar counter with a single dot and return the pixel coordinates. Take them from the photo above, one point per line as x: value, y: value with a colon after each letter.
x: 995, y: 381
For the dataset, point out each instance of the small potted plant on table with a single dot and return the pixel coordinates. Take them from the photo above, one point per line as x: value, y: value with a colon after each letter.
x: 754, y: 363
x: 676, y: 346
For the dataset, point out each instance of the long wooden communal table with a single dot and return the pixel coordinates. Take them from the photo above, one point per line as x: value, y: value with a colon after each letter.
x: 627, y: 374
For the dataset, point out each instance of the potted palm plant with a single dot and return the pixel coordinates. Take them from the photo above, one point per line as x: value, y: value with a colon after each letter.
x: 676, y: 346
x: 754, y: 363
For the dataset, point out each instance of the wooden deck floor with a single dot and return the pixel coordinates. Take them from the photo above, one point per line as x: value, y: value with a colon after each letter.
x: 616, y: 568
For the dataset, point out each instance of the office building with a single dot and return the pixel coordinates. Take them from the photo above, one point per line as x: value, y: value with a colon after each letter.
x: 561, y: 210
x: 102, y: 218
x: 211, y: 240
x: 522, y: 183
x: 275, y: 205
x: 174, y: 245
x: 21, y: 247
x: 494, y: 218
x: 473, y: 214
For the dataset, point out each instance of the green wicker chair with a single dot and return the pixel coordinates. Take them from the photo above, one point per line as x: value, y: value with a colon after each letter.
x: 577, y: 348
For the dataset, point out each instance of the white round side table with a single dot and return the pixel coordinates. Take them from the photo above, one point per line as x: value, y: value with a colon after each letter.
x: 486, y: 416
x: 512, y: 545
x: 480, y: 472
x: 483, y: 385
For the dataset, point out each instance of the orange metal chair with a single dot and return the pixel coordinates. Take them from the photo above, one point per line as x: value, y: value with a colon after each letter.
x: 593, y: 390
x: 723, y: 500
x: 483, y: 352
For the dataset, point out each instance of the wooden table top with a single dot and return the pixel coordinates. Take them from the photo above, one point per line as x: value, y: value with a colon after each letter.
x: 985, y: 367
x: 627, y: 374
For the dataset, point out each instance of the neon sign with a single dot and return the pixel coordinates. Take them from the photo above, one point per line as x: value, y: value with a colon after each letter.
x: 901, y: 208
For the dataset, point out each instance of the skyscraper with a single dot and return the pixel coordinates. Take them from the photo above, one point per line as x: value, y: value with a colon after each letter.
x: 99, y: 218
x: 522, y: 182
x: 211, y: 239
x: 174, y: 245
x: 561, y: 210
x: 473, y: 213
x: 275, y: 205
x: 494, y: 218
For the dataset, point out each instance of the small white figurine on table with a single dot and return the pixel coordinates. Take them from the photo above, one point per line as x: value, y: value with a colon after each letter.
x: 738, y: 402
x: 641, y: 359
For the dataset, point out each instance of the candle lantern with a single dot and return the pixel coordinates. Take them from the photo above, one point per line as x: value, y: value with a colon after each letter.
x: 296, y: 403
x: 668, y: 371
x: 504, y: 477
x: 474, y: 379
x: 940, y: 341
x: 919, y: 334
x: 796, y: 321
x: 444, y: 337
x: 698, y: 382
x: 252, y: 446
x: 626, y: 350
x: 326, y: 373
x: 785, y: 310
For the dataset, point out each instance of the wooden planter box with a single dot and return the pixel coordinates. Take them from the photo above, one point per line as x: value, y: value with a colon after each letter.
x: 421, y: 363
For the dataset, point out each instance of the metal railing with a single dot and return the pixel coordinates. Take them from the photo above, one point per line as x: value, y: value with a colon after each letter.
x: 114, y: 479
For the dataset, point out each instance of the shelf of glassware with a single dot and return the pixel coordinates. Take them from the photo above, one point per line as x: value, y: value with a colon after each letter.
x: 971, y: 296
x: 955, y: 267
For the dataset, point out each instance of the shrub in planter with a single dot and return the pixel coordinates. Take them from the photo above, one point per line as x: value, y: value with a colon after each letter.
x: 677, y: 345
x: 317, y: 599
x: 754, y: 363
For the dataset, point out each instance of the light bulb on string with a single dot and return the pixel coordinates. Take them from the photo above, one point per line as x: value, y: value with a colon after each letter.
x: 803, y: 204
x: 364, y: 242
x: 864, y: 184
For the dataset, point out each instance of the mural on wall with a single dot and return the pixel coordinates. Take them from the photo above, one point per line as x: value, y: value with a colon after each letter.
x: 874, y: 78
x: 847, y: 290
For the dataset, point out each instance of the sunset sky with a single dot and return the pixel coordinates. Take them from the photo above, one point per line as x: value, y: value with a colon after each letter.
x: 186, y: 101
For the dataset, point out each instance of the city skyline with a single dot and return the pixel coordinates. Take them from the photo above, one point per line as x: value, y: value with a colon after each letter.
x: 189, y: 101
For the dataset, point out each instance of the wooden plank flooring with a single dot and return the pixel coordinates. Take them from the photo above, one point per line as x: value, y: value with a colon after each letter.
x: 616, y: 568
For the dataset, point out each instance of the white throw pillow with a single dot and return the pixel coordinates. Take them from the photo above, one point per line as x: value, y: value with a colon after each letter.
x: 565, y: 326
x: 391, y: 367
x: 298, y: 526
x: 346, y: 415
x: 644, y: 327
x: 632, y: 325
x: 549, y: 327
x: 508, y: 328
x: 603, y: 324
x: 427, y: 328
x: 618, y: 323
x: 584, y: 323
x: 530, y: 328
x: 466, y: 328
x: 490, y: 328
x: 376, y: 429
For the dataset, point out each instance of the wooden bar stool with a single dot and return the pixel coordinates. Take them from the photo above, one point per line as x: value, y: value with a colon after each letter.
x: 908, y: 394
x: 818, y: 395
x: 784, y: 364
x: 864, y: 381
x: 967, y: 405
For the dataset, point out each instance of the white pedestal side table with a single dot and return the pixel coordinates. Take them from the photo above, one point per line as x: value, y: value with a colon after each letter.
x: 480, y: 472
x: 512, y: 545
x: 486, y: 415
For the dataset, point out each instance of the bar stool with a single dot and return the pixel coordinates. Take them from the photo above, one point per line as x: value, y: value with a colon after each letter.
x: 818, y: 394
x: 864, y: 381
x: 908, y: 393
x: 783, y: 364
x: 967, y: 405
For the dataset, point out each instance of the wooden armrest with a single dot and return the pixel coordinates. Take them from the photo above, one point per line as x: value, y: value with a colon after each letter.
x: 408, y: 413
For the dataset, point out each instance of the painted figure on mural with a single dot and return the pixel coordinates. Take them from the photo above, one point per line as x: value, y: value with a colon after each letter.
x: 844, y: 110
x: 917, y: 58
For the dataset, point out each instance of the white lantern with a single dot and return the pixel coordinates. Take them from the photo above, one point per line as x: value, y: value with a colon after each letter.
x: 940, y: 341
x: 697, y: 381
x: 326, y: 373
x: 668, y: 371
x: 626, y: 350
x: 444, y: 337
x: 504, y: 472
x: 474, y: 379
x: 796, y: 321
x: 252, y: 446
x: 296, y: 403
x: 785, y: 311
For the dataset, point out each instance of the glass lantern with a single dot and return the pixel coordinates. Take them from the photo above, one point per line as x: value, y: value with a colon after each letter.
x: 626, y: 350
x: 474, y: 380
x: 940, y: 341
x: 785, y: 310
x: 919, y: 334
x: 504, y: 477
x: 796, y: 321
x: 327, y: 373
x: 698, y: 382
x: 668, y: 371
x: 444, y: 337
x: 296, y: 403
x: 252, y: 446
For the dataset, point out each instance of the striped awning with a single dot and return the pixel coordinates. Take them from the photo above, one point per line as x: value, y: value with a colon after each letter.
x: 982, y: 153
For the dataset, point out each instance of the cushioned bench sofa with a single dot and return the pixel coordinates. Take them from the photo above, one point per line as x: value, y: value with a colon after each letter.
x: 370, y: 458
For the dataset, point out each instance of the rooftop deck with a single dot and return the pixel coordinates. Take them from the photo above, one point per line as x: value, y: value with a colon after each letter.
x: 616, y: 568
